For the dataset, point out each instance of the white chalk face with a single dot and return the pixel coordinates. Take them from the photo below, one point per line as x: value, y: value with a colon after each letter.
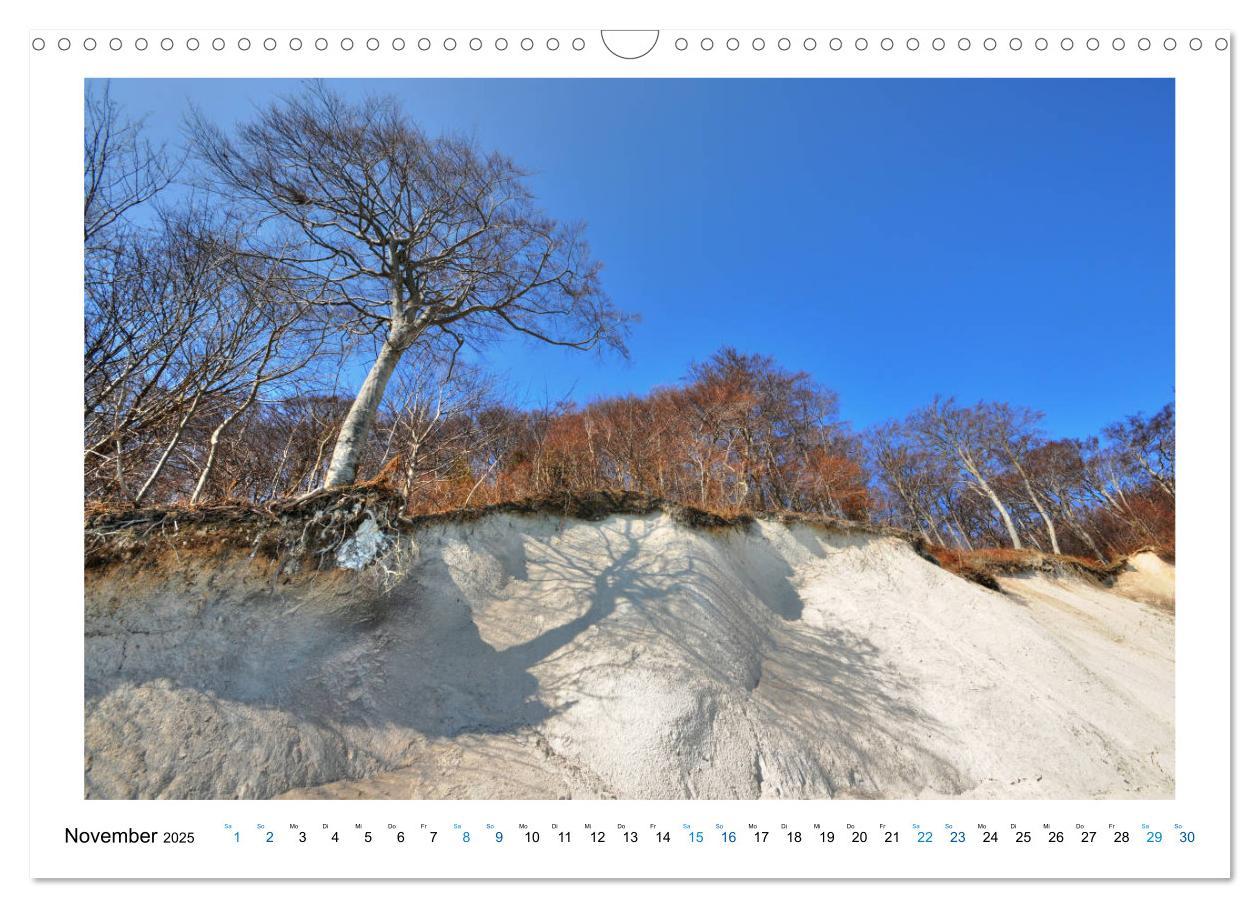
x: 699, y: 452
x: 631, y: 657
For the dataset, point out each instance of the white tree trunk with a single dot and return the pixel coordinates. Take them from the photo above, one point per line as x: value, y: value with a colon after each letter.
x: 166, y: 453
x: 358, y: 423
x: 958, y: 534
x: 118, y: 467
x: 936, y: 533
x: 1036, y: 501
x: 1090, y: 542
x: 997, y: 503
x: 284, y: 459
x: 205, y: 471
x: 1155, y: 477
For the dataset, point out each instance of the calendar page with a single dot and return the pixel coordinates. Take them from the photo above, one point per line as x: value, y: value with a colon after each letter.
x: 706, y: 452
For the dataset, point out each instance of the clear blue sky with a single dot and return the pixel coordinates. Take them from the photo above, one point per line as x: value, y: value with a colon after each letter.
x: 897, y: 238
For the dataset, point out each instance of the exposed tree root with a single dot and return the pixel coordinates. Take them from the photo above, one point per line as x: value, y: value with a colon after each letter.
x: 307, y: 531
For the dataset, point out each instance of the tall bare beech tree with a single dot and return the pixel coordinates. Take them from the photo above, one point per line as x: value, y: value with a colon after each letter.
x: 417, y: 237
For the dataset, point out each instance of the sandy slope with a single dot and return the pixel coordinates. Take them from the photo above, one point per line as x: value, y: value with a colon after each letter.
x: 530, y: 656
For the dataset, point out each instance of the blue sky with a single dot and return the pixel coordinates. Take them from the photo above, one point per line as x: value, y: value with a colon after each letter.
x: 896, y: 238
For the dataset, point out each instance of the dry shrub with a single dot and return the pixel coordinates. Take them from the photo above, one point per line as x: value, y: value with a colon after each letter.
x: 984, y: 566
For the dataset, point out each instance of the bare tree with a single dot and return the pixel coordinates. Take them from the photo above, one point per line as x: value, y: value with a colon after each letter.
x: 279, y: 342
x: 416, y: 236
x: 1058, y: 471
x: 141, y: 326
x: 190, y: 330
x: 961, y: 434
x: 121, y: 169
x: 1151, y: 444
x: 908, y: 472
x: 123, y: 327
x: 209, y: 361
x: 430, y: 430
x: 1012, y: 434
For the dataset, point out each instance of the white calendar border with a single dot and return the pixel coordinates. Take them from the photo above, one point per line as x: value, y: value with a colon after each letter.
x: 1202, y: 196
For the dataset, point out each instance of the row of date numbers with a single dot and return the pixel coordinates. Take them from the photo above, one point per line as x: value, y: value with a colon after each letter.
x: 724, y: 837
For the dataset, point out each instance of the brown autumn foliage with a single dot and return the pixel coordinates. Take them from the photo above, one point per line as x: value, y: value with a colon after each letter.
x: 741, y: 435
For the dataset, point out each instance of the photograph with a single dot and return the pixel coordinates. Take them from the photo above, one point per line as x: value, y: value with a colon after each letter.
x: 710, y: 439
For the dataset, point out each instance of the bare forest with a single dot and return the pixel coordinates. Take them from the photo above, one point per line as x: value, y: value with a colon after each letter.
x: 285, y: 306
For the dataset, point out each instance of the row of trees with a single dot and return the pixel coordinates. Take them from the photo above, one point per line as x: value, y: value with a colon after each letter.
x: 740, y: 433
x: 236, y: 295
x: 987, y: 475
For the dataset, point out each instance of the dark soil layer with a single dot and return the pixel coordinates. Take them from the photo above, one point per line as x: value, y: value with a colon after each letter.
x: 308, y: 530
